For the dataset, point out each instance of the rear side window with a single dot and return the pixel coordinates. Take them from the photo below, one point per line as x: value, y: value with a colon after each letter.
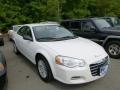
x: 76, y: 25
x: 21, y: 31
x: 28, y: 32
x: 25, y: 30
x: 65, y: 24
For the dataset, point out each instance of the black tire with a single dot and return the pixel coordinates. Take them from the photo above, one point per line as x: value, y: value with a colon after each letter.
x: 10, y: 39
x: 15, y: 49
x: 49, y: 75
x: 116, y: 48
x: 2, y: 42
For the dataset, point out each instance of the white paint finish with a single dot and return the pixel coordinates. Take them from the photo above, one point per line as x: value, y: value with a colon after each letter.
x: 79, y: 48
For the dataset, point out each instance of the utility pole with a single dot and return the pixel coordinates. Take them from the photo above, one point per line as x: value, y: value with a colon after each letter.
x: 59, y: 11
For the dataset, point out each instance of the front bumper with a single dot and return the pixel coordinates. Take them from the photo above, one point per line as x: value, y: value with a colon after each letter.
x: 78, y: 75
x: 3, y: 79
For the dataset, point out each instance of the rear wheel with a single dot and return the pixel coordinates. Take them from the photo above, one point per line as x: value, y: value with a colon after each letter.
x: 2, y: 42
x: 113, y: 49
x: 44, y: 69
x: 10, y: 39
x: 16, y: 51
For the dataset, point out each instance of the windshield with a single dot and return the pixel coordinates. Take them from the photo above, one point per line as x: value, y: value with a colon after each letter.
x: 113, y: 21
x: 116, y: 21
x: 101, y: 23
x: 51, y: 33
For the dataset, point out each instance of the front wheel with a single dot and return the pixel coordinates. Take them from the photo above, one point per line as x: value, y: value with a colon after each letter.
x: 44, y: 70
x: 113, y: 49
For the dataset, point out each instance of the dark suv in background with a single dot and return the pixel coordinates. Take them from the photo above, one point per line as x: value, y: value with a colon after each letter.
x: 98, y: 30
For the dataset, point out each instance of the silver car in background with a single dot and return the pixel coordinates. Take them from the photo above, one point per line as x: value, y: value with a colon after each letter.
x: 11, y: 32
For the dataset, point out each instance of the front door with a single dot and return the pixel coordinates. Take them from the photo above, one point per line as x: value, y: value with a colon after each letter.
x: 28, y: 47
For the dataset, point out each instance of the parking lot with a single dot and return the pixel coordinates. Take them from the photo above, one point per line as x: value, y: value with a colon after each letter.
x: 22, y: 75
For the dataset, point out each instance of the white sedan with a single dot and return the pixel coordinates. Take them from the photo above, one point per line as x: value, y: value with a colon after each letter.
x: 60, y: 55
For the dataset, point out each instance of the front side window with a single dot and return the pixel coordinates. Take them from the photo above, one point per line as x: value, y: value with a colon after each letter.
x: 87, y: 26
x: 51, y: 33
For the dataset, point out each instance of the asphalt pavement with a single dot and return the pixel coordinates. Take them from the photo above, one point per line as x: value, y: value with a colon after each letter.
x: 22, y: 75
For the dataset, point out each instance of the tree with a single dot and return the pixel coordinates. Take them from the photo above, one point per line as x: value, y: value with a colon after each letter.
x: 34, y: 11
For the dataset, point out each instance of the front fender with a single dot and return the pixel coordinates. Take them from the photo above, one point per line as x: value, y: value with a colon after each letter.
x: 112, y: 37
x: 50, y: 56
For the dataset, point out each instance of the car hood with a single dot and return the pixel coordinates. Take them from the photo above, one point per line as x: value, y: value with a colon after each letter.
x: 112, y: 30
x: 117, y: 26
x: 77, y: 48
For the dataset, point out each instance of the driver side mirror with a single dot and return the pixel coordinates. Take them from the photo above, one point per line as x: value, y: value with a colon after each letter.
x: 93, y: 29
x: 90, y: 29
x: 26, y: 37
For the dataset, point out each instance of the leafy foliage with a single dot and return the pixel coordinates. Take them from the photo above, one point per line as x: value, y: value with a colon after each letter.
x: 30, y: 11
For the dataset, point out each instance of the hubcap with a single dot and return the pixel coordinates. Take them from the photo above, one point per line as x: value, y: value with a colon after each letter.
x: 42, y: 69
x: 114, y: 49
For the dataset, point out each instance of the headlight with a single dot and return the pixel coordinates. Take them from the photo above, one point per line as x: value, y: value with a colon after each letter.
x: 69, y: 62
x: 1, y: 67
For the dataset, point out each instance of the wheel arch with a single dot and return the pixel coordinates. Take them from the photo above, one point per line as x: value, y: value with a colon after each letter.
x: 111, y: 38
x: 38, y: 55
x: 47, y: 57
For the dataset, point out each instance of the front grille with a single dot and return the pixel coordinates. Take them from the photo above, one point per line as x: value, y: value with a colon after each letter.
x: 95, y: 68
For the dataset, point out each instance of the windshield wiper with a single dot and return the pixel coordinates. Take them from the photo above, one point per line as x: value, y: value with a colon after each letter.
x: 46, y: 38
x: 69, y: 37
x: 52, y: 38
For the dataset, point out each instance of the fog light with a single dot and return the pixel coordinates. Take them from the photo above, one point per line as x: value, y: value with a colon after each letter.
x: 75, y: 77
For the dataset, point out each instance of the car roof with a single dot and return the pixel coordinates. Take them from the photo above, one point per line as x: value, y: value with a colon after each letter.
x: 41, y: 24
x: 84, y: 19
